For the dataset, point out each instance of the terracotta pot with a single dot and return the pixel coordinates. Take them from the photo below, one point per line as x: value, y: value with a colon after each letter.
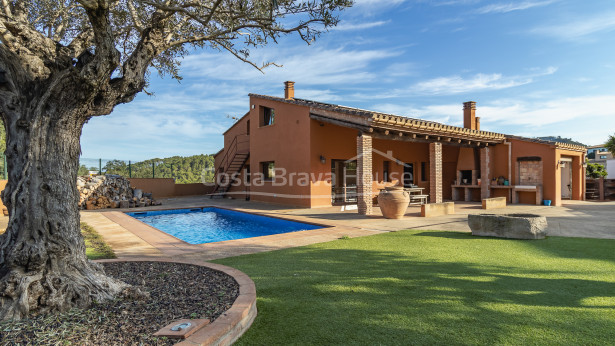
x: 393, y: 202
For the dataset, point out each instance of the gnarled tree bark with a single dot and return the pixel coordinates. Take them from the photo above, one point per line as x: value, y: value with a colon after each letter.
x: 60, y: 65
x: 43, y: 265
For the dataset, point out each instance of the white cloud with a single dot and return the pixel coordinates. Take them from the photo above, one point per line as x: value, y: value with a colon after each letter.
x: 540, y: 113
x: 479, y: 82
x: 578, y: 28
x: 458, y: 85
x: 512, y: 6
x: 445, y: 114
x: 345, y: 26
x: 377, y: 2
x: 572, y: 117
x: 306, y: 66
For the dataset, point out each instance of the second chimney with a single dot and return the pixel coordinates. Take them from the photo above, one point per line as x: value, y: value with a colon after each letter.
x: 289, y: 90
x: 470, y: 121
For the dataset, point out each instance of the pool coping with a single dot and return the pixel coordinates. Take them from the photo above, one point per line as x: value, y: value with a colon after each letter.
x: 234, y: 322
x: 231, y: 209
x: 163, y: 241
x: 171, y: 246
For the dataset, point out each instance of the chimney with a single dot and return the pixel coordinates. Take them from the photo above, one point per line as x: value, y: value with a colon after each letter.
x: 469, y: 115
x: 289, y: 90
x: 477, y: 124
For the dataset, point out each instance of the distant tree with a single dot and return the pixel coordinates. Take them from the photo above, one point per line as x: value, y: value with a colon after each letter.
x: 610, y: 144
x: 116, y: 167
x: 83, y: 170
x: 65, y: 61
x: 595, y: 171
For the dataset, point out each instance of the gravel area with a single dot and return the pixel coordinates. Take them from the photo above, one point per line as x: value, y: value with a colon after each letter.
x: 176, y: 291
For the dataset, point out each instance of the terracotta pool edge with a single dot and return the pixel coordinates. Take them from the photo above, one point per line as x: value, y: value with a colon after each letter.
x: 241, y: 210
x: 234, y: 322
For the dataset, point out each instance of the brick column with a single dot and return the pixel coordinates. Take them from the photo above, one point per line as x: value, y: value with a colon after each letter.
x: 364, y: 174
x: 435, y: 172
x: 485, y: 175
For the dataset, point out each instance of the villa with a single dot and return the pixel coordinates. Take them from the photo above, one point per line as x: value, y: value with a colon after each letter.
x: 306, y: 153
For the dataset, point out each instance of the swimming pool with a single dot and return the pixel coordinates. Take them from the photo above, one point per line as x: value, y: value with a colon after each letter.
x: 208, y: 225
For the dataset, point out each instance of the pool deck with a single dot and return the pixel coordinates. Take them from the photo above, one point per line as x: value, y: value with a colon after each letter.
x: 131, y: 238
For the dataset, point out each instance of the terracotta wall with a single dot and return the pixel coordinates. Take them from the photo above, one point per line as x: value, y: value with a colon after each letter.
x: 286, y: 142
x: 159, y: 187
x: 240, y: 131
x: 500, y: 162
x: 192, y: 189
x: 551, y: 171
x: 334, y: 143
x: 295, y: 143
x: 339, y: 143
x: 166, y: 187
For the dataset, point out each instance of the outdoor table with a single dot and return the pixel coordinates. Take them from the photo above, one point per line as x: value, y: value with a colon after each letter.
x: 416, y: 195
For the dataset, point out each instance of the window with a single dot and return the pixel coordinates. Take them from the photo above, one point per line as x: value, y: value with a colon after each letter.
x: 248, y: 127
x: 267, y: 116
x: 408, y: 175
x: 603, y: 157
x: 423, y: 171
x: 268, y: 170
x: 385, y: 171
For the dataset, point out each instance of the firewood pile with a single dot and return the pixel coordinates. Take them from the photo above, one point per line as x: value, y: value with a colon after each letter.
x: 111, y: 191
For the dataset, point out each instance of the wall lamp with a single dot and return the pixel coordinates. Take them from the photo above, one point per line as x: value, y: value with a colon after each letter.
x: 323, y: 160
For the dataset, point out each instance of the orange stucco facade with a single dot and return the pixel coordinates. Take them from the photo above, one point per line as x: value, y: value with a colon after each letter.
x: 307, y: 145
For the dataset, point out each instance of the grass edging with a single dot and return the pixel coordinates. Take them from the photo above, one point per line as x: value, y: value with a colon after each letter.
x: 95, y: 245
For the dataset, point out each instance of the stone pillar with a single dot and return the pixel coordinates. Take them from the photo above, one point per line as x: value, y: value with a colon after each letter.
x: 435, y: 172
x: 485, y: 175
x: 364, y: 174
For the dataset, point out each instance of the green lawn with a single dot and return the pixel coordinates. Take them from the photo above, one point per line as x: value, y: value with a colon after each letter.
x: 431, y: 287
x: 95, y: 246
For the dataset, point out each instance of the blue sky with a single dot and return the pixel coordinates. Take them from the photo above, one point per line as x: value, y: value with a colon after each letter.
x: 535, y: 68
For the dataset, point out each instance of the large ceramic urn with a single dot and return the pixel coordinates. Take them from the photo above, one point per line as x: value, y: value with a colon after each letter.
x: 393, y: 202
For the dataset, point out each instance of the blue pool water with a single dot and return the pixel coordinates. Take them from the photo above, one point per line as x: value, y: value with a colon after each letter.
x: 208, y: 225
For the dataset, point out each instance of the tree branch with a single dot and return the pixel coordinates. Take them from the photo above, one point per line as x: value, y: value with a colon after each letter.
x: 107, y: 57
x: 7, y: 9
x: 236, y: 54
x: 135, y: 16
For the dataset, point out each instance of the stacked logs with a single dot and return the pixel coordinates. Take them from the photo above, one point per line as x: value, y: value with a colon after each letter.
x: 110, y: 191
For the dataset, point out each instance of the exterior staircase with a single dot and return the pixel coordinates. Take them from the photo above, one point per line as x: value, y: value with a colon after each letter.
x: 235, y: 157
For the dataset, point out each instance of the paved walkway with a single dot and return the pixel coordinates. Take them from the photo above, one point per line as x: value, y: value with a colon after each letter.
x: 129, y: 237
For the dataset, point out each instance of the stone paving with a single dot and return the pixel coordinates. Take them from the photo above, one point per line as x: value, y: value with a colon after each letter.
x: 129, y: 237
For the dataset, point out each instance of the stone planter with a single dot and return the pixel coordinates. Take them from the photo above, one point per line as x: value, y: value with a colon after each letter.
x: 514, y: 226
x: 393, y: 202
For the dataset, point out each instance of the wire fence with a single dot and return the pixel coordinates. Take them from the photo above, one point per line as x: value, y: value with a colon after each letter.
x: 184, y: 170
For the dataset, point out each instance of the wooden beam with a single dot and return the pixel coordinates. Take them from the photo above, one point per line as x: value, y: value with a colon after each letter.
x: 386, y: 132
x: 341, y: 123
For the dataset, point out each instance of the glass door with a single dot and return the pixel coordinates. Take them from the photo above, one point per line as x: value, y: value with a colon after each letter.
x: 343, y: 182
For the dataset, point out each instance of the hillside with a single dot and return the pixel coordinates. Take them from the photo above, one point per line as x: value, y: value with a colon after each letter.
x: 185, y: 170
x: 560, y: 139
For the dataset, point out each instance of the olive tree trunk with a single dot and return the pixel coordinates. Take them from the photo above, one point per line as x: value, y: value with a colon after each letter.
x: 43, y: 265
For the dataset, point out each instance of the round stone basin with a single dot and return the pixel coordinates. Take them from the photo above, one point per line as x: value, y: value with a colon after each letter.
x: 513, y: 226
